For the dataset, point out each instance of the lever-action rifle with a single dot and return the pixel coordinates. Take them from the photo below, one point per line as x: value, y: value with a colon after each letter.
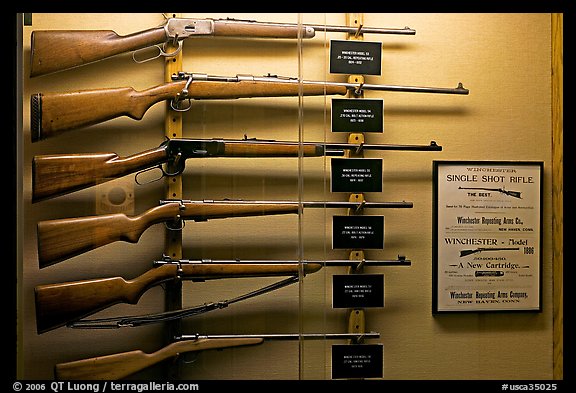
x: 60, y: 174
x: 464, y: 253
x: 53, y: 113
x: 61, y: 239
x: 58, y: 50
x: 63, y: 303
x: 515, y: 194
x: 120, y: 365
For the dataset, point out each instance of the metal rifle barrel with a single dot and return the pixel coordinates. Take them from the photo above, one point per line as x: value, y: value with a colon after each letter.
x: 313, y: 204
x: 370, y: 30
x: 331, y: 28
x: 351, y: 146
x: 279, y: 336
x: 350, y: 86
x: 409, y: 89
x: 336, y: 204
x: 328, y: 262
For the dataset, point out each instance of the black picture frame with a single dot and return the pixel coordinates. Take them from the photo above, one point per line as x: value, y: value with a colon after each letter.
x: 487, y: 236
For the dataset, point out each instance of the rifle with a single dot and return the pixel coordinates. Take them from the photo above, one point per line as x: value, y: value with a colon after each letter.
x: 515, y: 194
x: 55, y: 175
x: 62, y: 303
x: 61, y: 239
x: 58, y: 50
x: 120, y: 365
x: 53, y: 113
x: 464, y: 253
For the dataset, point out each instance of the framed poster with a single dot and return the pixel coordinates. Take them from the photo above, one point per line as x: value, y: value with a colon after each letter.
x: 487, y: 236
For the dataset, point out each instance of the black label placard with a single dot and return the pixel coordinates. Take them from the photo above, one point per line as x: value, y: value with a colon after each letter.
x: 353, y: 115
x: 357, y: 361
x: 357, y: 232
x: 356, y: 175
x: 357, y: 290
x: 355, y: 57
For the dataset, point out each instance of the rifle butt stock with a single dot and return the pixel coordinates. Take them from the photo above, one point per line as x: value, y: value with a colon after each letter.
x: 121, y: 365
x: 55, y: 175
x: 59, y: 304
x: 54, y: 113
x: 62, y: 303
x: 62, y: 239
x: 58, y: 50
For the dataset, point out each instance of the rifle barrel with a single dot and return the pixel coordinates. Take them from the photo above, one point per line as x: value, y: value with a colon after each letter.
x: 433, y: 146
x: 278, y: 336
x: 336, y: 204
x: 311, y: 204
x: 350, y: 86
x: 329, y: 262
x: 362, y: 29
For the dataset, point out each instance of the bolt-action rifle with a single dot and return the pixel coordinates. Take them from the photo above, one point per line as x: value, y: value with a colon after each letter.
x: 61, y: 239
x: 515, y: 194
x: 464, y: 253
x: 62, y: 303
x: 120, y: 365
x: 53, y: 113
x: 55, y: 175
x: 58, y: 50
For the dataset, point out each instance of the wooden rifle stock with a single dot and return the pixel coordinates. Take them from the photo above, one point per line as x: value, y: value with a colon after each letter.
x: 121, y: 365
x: 61, y: 239
x: 59, y: 304
x: 54, y: 113
x: 55, y: 50
x: 54, y: 175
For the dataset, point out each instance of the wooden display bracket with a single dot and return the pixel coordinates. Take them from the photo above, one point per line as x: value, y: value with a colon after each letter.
x: 173, y: 190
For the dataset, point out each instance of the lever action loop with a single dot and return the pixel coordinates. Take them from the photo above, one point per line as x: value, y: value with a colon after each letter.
x: 161, y: 51
x: 149, y: 170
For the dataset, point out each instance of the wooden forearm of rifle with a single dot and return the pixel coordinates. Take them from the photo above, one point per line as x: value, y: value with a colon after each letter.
x: 244, y: 148
x: 59, y: 304
x: 121, y: 365
x: 54, y: 113
x: 208, y: 90
x: 217, y: 209
x: 54, y: 175
x: 55, y: 50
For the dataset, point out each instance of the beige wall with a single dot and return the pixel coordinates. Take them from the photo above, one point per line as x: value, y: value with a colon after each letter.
x: 504, y: 59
